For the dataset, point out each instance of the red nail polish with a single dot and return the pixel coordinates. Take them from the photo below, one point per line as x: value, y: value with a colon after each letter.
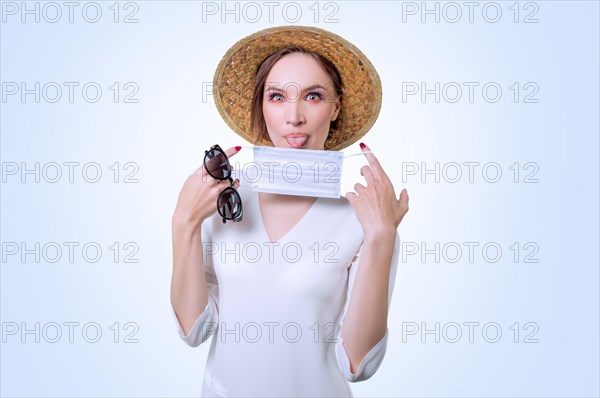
x: 362, y: 146
x: 237, y: 148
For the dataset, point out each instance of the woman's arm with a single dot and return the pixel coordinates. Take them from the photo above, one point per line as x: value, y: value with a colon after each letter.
x: 380, y: 214
x: 195, y: 205
x: 365, y: 323
x: 189, y: 293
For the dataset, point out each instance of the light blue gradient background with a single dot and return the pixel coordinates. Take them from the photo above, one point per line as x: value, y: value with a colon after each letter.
x: 170, y: 53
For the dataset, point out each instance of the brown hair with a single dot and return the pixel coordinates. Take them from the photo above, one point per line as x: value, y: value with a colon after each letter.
x: 259, y: 127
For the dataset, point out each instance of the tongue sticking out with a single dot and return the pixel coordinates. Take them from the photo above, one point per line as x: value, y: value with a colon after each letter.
x: 297, y: 142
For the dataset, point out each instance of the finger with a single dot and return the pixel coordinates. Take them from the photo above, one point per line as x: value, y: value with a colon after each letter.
x: 205, y: 177
x: 351, y: 196
x: 229, y: 153
x: 233, y: 151
x: 367, y: 172
x: 201, y: 170
x: 403, y: 199
x: 224, y: 184
x: 359, y: 187
x: 374, y: 162
x: 223, y: 187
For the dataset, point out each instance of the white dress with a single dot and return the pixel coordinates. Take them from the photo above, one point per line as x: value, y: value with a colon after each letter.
x: 275, y: 309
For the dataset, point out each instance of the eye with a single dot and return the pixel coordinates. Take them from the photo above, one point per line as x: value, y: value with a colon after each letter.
x: 314, y: 97
x: 275, y: 97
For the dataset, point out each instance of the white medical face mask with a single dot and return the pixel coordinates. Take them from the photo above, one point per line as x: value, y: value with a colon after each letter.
x: 300, y: 172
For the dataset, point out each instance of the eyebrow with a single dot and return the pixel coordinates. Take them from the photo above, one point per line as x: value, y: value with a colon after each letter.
x: 314, y: 86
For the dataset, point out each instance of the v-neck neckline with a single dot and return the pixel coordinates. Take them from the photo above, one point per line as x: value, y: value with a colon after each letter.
x: 289, y: 232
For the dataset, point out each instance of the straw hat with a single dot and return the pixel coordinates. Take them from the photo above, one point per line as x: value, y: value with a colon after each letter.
x: 233, y: 83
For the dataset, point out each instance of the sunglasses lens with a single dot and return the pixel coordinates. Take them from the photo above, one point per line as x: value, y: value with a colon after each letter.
x: 217, y: 164
x: 230, y: 204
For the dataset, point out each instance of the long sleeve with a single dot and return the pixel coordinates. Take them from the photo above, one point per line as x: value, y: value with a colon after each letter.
x: 374, y: 358
x: 207, y: 322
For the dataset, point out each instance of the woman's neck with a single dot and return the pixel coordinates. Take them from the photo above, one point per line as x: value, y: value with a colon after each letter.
x: 278, y: 199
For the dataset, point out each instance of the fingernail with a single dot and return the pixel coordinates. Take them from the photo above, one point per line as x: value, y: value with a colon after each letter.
x: 362, y: 146
x: 237, y: 148
x: 237, y: 180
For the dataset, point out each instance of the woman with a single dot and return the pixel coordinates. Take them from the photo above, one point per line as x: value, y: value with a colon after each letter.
x: 282, y: 326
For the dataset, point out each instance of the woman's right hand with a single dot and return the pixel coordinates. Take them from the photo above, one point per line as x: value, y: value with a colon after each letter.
x: 198, y: 197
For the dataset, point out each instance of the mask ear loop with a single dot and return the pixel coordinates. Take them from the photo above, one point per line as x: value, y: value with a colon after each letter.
x: 236, y: 171
x: 349, y: 156
x: 356, y: 154
x: 345, y: 156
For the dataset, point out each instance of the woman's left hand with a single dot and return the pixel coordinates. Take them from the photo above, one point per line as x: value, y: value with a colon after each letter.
x: 375, y: 205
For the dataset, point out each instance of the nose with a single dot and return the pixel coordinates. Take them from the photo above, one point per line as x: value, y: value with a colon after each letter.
x: 295, y: 113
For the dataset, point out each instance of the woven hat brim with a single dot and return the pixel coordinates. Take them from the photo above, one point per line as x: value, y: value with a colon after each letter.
x: 233, y: 82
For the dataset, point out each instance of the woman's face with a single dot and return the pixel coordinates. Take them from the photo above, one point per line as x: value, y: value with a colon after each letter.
x: 299, y: 103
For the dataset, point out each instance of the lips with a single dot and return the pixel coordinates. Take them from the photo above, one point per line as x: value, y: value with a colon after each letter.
x: 296, y: 140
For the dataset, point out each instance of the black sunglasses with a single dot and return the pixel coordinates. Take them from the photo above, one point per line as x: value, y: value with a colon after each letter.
x: 229, y: 203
